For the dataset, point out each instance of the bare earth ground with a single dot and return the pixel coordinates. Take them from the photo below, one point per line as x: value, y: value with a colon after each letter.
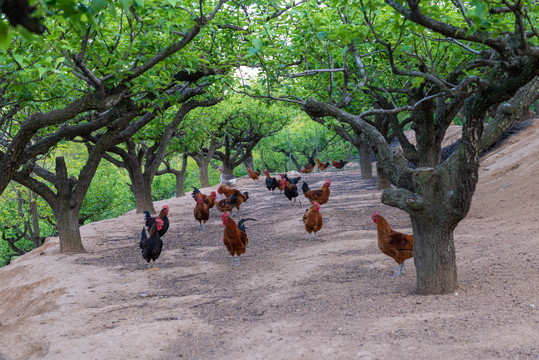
x: 333, y: 298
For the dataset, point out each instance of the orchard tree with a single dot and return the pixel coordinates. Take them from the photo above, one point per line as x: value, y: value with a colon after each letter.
x: 179, y: 174
x: 106, y: 82
x: 143, y: 165
x: 247, y: 122
x: 429, y: 62
x: 204, y: 129
x: 307, y: 142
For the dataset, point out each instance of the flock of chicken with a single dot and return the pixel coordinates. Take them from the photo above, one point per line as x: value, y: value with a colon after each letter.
x: 392, y: 243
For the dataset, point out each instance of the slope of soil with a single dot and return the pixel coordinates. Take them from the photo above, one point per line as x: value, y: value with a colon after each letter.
x: 291, y: 298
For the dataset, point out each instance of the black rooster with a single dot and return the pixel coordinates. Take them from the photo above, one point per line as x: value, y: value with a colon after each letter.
x: 291, y: 188
x: 152, y: 246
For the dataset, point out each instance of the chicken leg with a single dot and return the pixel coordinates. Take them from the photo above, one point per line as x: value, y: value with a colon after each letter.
x: 399, y: 270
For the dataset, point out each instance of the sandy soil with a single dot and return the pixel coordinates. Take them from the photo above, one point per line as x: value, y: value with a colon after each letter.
x: 333, y: 298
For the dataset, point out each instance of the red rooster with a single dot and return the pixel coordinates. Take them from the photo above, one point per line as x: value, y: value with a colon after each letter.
x: 338, y: 164
x: 252, y: 174
x: 234, y: 238
x: 321, y: 165
x: 321, y: 195
x: 393, y: 243
x: 201, y: 213
x: 229, y: 192
x: 209, y: 200
x: 313, y: 220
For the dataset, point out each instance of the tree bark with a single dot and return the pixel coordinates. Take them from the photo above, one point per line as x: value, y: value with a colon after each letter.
x: 365, y: 161
x: 434, y: 256
x: 180, y: 178
x: 384, y: 182
x: 249, y: 163
x: 66, y: 210
x: 262, y: 157
x: 179, y: 175
x: 140, y: 186
x: 203, y: 163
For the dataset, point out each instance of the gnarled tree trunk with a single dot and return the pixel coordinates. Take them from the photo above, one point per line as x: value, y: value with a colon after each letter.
x: 365, y: 160
x: 434, y: 255
x: 203, y: 164
x: 383, y: 180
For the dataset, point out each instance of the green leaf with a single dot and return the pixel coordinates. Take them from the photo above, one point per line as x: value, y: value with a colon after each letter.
x: 19, y: 58
x: 97, y: 5
x: 5, y: 36
x: 126, y: 4
x: 321, y: 35
x: 257, y: 44
x: 41, y: 71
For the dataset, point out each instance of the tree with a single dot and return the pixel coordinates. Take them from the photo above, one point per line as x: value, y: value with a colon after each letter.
x: 144, y: 164
x: 247, y: 122
x: 457, y: 59
x: 204, y: 132
x: 307, y: 142
x: 178, y: 174
x: 130, y: 82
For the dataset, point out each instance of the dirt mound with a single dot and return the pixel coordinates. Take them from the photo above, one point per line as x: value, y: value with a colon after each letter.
x: 291, y: 298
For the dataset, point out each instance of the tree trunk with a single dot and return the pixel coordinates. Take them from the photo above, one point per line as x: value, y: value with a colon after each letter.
x: 383, y: 180
x: 68, y: 228
x: 262, y: 157
x: 365, y: 161
x: 227, y: 167
x: 434, y: 256
x: 180, y: 177
x: 204, y: 177
x: 180, y: 185
x: 66, y: 210
x: 249, y: 163
x: 141, y: 192
x: 35, y: 233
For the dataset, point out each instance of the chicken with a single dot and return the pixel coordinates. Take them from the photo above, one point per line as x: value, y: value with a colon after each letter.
x: 393, y: 243
x: 227, y: 179
x: 321, y: 195
x: 209, y: 200
x: 307, y: 169
x: 313, y: 219
x: 252, y: 174
x: 291, y: 188
x: 152, y: 246
x: 234, y: 238
x: 163, y: 215
x: 228, y: 192
x: 226, y: 205
x: 202, y: 213
x: 321, y: 165
x: 257, y: 172
x: 338, y: 164
x: 272, y: 183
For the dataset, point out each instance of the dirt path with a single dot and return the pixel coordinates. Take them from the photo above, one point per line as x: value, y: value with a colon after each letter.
x: 333, y: 298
